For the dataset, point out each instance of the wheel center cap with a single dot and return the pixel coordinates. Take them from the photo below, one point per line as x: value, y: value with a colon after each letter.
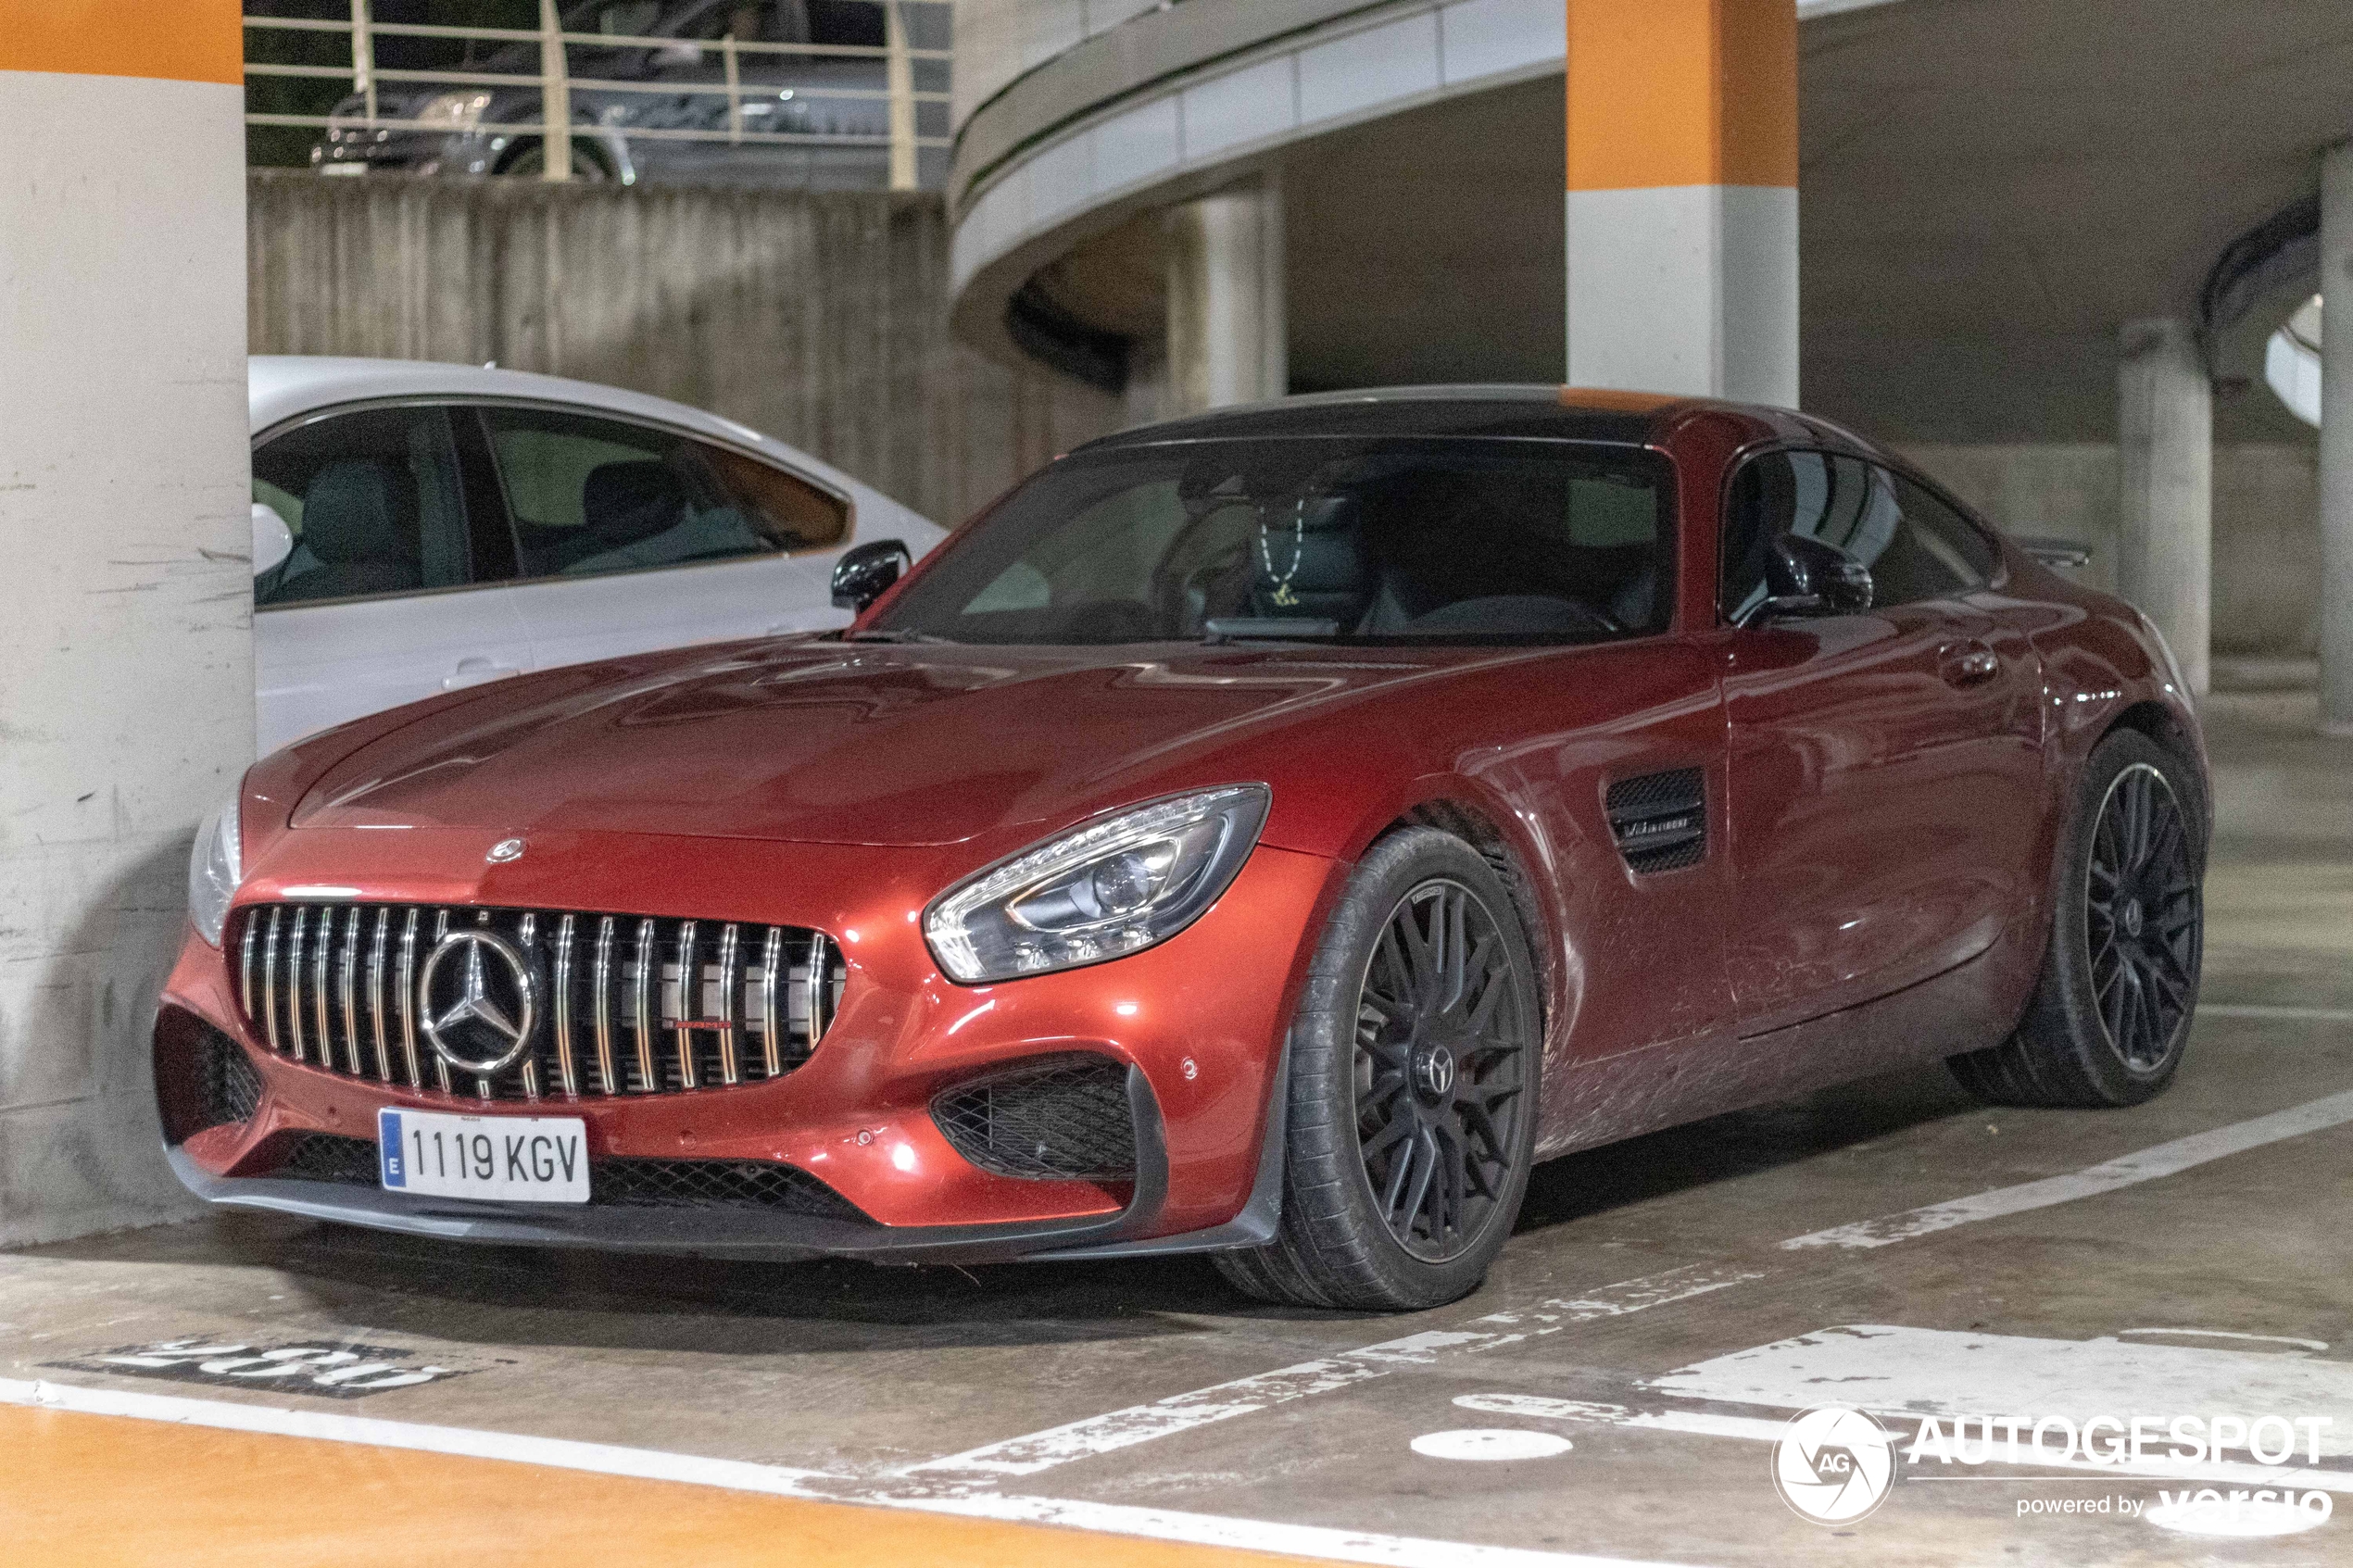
x: 1434, y: 1071
x: 2131, y: 918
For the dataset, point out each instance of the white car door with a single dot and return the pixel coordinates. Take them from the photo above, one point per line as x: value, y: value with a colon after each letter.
x: 632, y: 536
x: 393, y: 592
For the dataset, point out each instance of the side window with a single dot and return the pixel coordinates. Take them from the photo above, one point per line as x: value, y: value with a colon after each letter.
x: 373, y: 501
x: 590, y: 495
x: 1916, y: 547
x: 1963, y: 556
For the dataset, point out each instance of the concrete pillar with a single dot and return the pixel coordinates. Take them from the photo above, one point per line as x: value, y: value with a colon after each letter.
x: 2165, y: 438
x: 1227, y: 325
x: 2336, y: 441
x: 1682, y: 197
x: 126, y: 645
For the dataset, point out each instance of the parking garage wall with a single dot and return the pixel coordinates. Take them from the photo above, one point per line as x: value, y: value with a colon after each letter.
x: 2267, y: 540
x: 819, y: 319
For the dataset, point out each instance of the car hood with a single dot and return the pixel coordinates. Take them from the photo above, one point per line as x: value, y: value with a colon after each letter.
x: 842, y: 744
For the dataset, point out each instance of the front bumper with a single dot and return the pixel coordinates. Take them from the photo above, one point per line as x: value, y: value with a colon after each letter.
x: 1198, y: 1022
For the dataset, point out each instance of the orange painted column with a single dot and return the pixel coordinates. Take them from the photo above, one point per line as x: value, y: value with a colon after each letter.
x: 1682, y: 196
x: 126, y: 606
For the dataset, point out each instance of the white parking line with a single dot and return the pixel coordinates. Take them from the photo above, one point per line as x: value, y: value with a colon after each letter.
x: 1038, y: 1451
x: 2148, y: 1164
x: 2258, y: 1009
x: 736, y: 1475
x: 1182, y: 1412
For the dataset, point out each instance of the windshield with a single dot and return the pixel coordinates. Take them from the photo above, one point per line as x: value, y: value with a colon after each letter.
x: 1339, y: 539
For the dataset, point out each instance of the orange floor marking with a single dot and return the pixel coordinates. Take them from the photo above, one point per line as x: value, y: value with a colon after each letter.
x: 112, y: 1490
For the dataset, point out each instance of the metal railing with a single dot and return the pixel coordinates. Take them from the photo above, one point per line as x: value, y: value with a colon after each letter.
x: 556, y: 84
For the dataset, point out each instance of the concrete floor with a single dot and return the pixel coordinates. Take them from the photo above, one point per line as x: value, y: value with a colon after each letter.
x: 865, y: 1374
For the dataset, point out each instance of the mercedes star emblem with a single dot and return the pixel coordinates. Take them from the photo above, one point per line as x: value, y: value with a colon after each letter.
x: 505, y: 850
x: 477, y: 1017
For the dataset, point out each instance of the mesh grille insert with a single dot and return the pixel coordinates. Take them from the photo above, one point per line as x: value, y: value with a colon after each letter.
x: 1058, y: 1119
x: 227, y: 1089
x: 704, y: 1183
x: 322, y: 1157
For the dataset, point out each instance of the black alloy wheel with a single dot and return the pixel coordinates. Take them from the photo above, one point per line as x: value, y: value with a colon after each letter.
x: 1439, y: 1069
x: 2143, y: 917
x: 2108, y: 1021
x: 1414, y: 1067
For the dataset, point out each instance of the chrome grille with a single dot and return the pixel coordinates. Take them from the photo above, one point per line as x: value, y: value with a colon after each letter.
x: 634, y: 1005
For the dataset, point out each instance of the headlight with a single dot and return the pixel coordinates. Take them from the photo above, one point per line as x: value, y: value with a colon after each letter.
x: 1102, y: 891
x: 455, y: 111
x: 215, y: 867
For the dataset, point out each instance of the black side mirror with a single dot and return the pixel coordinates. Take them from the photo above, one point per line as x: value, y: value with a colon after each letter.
x: 864, y: 574
x: 1804, y: 576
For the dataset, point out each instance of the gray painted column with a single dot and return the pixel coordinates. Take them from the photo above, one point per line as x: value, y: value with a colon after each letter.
x: 2165, y: 546
x: 2336, y: 441
x: 1227, y: 326
x: 126, y: 613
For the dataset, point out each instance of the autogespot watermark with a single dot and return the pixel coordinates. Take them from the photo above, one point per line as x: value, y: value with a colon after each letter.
x: 1834, y: 1464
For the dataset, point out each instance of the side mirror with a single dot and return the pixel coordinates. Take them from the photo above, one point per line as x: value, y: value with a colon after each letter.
x: 2053, y: 552
x: 1804, y: 576
x: 273, y: 540
x: 863, y: 574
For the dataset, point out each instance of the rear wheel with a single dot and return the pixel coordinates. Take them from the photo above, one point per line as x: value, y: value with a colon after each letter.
x: 2111, y: 1015
x: 1414, y: 1064
x: 590, y: 162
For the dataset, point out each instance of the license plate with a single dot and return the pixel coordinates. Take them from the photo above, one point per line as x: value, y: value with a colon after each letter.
x: 501, y: 1158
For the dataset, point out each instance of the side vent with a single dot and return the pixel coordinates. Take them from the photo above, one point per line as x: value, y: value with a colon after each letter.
x: 1660, y: 820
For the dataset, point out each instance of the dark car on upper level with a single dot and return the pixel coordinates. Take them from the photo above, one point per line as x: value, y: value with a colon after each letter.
x: 1265, y: 834
x: 648, y: 105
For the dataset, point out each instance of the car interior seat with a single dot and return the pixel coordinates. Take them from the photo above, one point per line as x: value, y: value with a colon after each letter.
x: 360, y: 532
x: 1454, y: 559
x: 623, y: 504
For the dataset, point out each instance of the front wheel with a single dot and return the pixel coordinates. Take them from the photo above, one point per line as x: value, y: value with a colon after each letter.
x: 2110, y: 1016
x: 1413, y: 1062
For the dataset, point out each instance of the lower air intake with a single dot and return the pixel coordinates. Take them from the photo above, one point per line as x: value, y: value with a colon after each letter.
x: 613, y: 1184
x: 1066, y: 1118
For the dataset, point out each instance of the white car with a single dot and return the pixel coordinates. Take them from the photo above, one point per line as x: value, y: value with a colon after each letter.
x: 421, y: 527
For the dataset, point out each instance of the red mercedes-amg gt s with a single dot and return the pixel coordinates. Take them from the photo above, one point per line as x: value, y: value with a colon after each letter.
x: 1265, y: 834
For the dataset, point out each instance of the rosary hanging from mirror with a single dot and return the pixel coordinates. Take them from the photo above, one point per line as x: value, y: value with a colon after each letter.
x: 1282, y: 597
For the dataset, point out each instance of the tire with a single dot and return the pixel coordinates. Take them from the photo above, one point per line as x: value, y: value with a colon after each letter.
x: 528, y: 158
x: 1414, y: 1064
x: 2111, y: 1015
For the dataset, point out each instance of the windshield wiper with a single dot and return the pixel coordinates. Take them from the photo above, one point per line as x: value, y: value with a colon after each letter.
x: 893, y: 637
x: 1236, y: 629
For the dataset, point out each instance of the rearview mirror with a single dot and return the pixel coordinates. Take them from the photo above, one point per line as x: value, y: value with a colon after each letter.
x: 1804, y: 576
x: 863, y: 574
x: 273, y: 540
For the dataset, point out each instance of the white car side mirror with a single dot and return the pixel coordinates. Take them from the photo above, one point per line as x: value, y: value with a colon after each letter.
x: 273, y: 540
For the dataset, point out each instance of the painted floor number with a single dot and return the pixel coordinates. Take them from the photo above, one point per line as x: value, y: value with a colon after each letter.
x: 337, y: 1371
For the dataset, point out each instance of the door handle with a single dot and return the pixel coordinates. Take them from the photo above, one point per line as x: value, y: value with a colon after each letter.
x: 1969, y: 664
x: 476, y: 672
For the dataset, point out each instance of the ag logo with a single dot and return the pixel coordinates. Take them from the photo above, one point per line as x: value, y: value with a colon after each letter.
x: 1833, y: 1464
x: 476, y: 999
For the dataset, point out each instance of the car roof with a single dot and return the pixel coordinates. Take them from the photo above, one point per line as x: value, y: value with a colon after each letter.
x: 1552, y: 412
x: 281, y: 387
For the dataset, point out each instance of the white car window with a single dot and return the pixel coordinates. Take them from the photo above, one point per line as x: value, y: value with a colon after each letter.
x: 589, y: 495
x: 373, y: 500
